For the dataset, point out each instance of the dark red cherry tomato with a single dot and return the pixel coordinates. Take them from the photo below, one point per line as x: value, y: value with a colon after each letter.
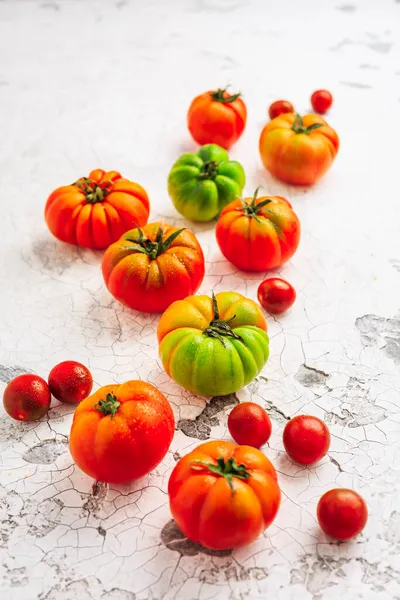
x: 249, y: 425
x: 321, y: 101
x: 279, y: 108
x: 70, y: 382
x: 27, y: 398
x: 276, y: 295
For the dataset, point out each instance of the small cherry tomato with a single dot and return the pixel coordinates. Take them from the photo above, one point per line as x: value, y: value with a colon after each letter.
x: 321, y: 101
x: 249, y: 425
x: 279, y: 107
x: 70, y: 382
x: 342, y: 513
x: 27, y: 398
x: 306, y: 439
x: 276, y: 295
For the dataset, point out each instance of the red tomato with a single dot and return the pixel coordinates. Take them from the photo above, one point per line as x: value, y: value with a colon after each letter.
x: 306, y: 439
x: 342, y: 513
x: 321, y: 101
x: 276, y: 295
x: 217, y: 117
x: 70, y: 382
x: 256, y: 234
x: 249, y: 424
x: 279, y: 107
x: 27, y: 398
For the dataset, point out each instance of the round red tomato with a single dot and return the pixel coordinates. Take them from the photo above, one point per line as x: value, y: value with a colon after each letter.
x: 70, y: 382
x: 306, y: 439
x: 217, y: 117
x: 280, y: 107
x: 342, y: 513
x: 149, y: 268
x: 249, y: 424
x: 223, y: 496
x: 95, y: 211
x: 321, y: 101
x: 27, y: 398
x: 276, y: 295
x: 256, y: 234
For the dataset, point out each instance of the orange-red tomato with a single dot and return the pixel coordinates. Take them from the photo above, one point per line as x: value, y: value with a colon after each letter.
x: 249, y: 424
x: 279, y: 107
x: 223, y: 496
x: 256, y: 234
x: 121, y: 432
x: 342, y: 513
x: 217, y: 117
x: 70, y: 382
x: 306, y: 439
x: 297, y: 149
x: 276, y: 295
x: 321, y: 101
x: 95, y: 211
x: 27, y: 398
x: 149, y: 268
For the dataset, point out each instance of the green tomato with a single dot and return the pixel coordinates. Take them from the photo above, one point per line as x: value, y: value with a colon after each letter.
x: 202, y: 184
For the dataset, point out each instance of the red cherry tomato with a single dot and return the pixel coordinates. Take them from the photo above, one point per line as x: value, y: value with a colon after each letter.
x: 249, y: 425
x: 276, y: 295
x: 27, y: 398
x: 321, y: 101
x: 279, y: 107
x: 70, y: 382
x: 306, y: 439
x: 342, y: 513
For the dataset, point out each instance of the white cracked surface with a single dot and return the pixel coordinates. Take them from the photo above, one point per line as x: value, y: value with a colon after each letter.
x: 86, y: 84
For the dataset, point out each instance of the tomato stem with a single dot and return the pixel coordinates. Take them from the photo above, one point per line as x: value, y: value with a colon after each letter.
x: 109, y: 406
x: 254, y: 209
x: 218, y: 328
x: 95, y: 192
x: 209, y: 170
x: 228, y: 469
x: 298, y: 125
x: 154, y: 249
x: 221, y: 95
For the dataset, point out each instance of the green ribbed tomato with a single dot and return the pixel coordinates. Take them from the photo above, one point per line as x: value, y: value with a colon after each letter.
x: 202, y: 184
x: 213, y: 346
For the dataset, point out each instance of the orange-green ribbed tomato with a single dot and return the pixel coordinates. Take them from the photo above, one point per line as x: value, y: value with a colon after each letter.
x: 213, y: 346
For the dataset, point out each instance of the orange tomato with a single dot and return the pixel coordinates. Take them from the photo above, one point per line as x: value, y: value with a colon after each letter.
x: 297, y: 149
x: 222, y: 495
x: 95, y: 211
x: 149, y: 268
x: 256, y: 234
x: 121, y: 432
x: 217, y: 117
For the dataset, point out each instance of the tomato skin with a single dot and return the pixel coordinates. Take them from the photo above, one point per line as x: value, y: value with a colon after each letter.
x: 295, y: 157
x: 306, y: 439
x: 212, y: 121
x: 276, y: 295
x: 258, y: 244
x: 125, y: 446
x: 249, y: 424
x: 206, y: 510
x: 70, y: 382
x: 27, y: 398
x: 201, y: 184
x: 94, y: 212
x: 203, y: 363
x: 151, y: 285
x: 342, y: 513
x: 280, y: 107
x: 321, y: 101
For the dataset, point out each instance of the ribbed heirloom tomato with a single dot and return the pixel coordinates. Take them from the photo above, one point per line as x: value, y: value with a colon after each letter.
x: 149, y: 268
x: 297, y: 149
x: 95, y: 211
x: 223, y: 496
x: 217, y: 117
x: 201, y: 184
x: 213, y: 346
x: 256, y: 234
x: 121, y: 432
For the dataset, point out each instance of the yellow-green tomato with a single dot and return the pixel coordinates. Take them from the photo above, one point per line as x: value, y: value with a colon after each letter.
x: 213, y: 346
x: 202, y: 184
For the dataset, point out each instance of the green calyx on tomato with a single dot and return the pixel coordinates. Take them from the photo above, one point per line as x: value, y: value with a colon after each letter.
x: 253, y: 210
x: 109, y: 406
x: 228, y: 469
x: 154, y: 249
x: 209, y: 170
x: 218, y: 328
x: 94, y: 192
x: 219, y: 96
x: 298, y: 125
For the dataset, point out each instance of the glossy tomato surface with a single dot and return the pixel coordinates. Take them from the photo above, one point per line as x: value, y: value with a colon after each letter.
x: 276, y: 295
x: 70, y: 382
x: 27, y: 398
x: 279, y: 108
x: 321, y: 101
x: 249, y: 424
x: 342, y: 513
x: 306, y: 439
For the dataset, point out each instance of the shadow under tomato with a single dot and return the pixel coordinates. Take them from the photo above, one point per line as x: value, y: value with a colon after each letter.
x: 173, y: 538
